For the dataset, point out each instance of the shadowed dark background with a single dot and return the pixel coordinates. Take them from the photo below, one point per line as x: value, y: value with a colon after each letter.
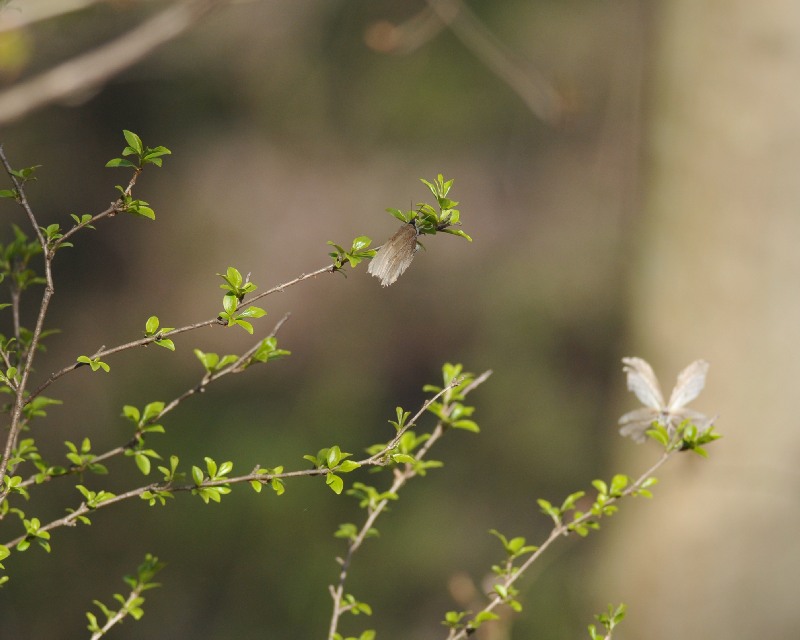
x: 614, y: 232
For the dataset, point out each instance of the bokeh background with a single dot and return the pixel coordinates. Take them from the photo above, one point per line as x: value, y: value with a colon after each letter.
x: 628, y: 173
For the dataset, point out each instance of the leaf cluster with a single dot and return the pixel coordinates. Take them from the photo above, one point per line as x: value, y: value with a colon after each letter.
x: 430, y: 219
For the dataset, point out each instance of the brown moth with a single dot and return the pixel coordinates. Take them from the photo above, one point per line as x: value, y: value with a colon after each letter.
x: 394, y: 257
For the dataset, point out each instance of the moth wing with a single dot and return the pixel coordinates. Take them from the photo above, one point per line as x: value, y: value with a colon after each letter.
x: 635, y: 430
x: 643, y: 382
x: 395, y: 256
x: 689, y: 385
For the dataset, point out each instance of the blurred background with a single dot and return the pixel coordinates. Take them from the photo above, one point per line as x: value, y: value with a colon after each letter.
x: 627, y: 171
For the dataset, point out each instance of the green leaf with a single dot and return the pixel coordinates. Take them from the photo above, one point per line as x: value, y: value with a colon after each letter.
x: 229, y: 303
x: 134, y: 141
x: 252, y: 312
x: 151, y: 326
x: 457, y: 232
x: 224, y: 469
x: 334, y: 456
x: 602, y: 487
x: 404, y: 217
x: 234, y: 276
x: 334, y: 482
x: 94, y: 363
x: 131, y: 413
x: 484, y: 616
x: 245, y: 325
x: 143, y: 462
x: 467, y: 425
x: 618, y: 484
x: 120, y: 162
x: 402, y: 458
x: 547, y: 507
x: 346, y: 530
x: 152, y: 410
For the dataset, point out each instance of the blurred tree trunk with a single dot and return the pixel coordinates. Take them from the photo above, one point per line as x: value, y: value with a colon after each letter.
x: 716, y: 554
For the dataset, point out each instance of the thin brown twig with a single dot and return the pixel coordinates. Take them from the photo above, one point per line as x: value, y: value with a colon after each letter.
x: 74, y: 517
x: 19, y: 391
x: 143, y: 342
x: 560, y: 530
x: 235, y: 367
x: 113, y: 209
x: 120, y: 615
x: 401, y: 477
x: 536, y: 91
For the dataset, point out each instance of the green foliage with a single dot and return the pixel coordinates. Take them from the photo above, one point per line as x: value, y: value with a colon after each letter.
x: 35, y: 408
x: 212, y: 363
x: 608, y: 620
x: 10, y: 378
x: 146, y: 418
x: 143, y: 155
x: 204, y: 482
x: 151, y: 330
x: 333, y: 459
x: 52, y: 235
x: 13, y: 484
x: 270, y: 479
x: 429, y: 219
x: 687, y: 436
x: 83, y: 221
x: 457, y: 414
x: 402, y: 418
x: 82, y: 459
x: 369, y: 634
x: 34, y: 533
x: 130, y: 605
x: 237, y: 287
x: 454, y: 620
x: 406, y: 453
x: 171, y: 475
x: 369, y: 497
x: 515, y: 547
x: 693, y: 438
x: 94, y: 498
x: 15, y: 258
x: 267, y: 351
x: 358, y: 251
x: 356, y: 607
x: 128, y: 204
x: 22, y: 176
x: 94, y: 363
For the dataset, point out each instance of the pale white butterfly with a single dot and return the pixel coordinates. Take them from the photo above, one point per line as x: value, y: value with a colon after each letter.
x: 643, y: 382
x: 395, y: 256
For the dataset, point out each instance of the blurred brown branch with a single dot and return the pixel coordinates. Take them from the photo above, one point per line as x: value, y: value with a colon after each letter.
x: 92, y: 69
x: 530, y: 85
x: 13, y: 17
